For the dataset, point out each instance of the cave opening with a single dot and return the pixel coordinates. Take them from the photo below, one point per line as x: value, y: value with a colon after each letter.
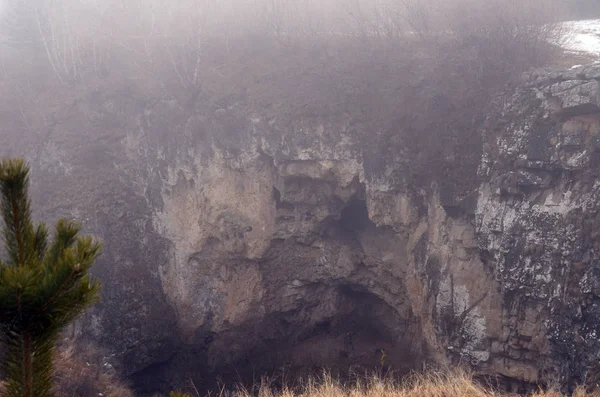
x: 375, y: 325
x: 351, y: 340
x: 355, y: 216
x: 345, y: 330
x: 279, y: 204
x: 351, y: 222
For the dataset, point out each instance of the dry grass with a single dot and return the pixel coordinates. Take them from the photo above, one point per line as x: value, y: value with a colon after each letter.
x: 80, y: 379
x: 453, y: 384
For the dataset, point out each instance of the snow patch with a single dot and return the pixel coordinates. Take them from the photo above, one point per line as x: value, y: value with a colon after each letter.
x: 582, y: 36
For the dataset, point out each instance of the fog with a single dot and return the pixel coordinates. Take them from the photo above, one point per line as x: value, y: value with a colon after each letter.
x: 75, y: 35
x: 197, y: 138
x: 152, y: 18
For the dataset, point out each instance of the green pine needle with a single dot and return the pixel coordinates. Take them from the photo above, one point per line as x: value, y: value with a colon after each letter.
x: 44, y: 285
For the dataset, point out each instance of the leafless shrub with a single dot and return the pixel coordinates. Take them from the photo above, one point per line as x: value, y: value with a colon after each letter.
x: 75, y: 35
x: 63, y: 31
x: 420, y: 17
x: 81, y: 372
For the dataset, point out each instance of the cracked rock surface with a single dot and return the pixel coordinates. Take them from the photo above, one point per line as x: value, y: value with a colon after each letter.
x: 245, y: 241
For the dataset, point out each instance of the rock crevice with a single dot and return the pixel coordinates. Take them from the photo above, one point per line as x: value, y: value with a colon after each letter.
x: 236, y: 245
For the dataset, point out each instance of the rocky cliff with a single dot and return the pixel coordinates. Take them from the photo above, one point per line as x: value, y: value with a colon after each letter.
x: 537, y: 226
x: 238, y: 242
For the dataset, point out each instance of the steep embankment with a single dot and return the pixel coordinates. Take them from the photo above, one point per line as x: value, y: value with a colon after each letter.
x: 310, y: 217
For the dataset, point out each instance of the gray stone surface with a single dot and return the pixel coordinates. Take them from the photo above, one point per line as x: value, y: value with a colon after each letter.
x: 249, y: 240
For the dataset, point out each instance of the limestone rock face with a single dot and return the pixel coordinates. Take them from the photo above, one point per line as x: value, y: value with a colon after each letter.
x: 537, y: 225
x: 247, y: 241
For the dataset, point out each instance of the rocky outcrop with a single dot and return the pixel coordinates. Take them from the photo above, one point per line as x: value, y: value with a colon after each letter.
x: 537, y: 225
x: 240, y: 242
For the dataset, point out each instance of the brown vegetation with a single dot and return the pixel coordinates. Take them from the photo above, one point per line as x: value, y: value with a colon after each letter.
x: 81, y: 372
x: 453, y: 384
x: 79, y: 379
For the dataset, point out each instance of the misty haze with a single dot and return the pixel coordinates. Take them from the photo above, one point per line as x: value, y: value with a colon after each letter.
x: 284, y: 198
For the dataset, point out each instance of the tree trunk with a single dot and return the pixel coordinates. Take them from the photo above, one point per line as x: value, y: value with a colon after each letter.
x: 27, y: 366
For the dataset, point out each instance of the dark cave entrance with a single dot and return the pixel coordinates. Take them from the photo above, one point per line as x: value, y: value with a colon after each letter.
x: 377, y: 326
x: 355, y: 216
x: 286, y: 351
x: 353, y: 220
x: 348, y: 339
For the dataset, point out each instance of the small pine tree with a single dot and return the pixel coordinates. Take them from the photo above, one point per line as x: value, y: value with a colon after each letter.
x: 44, y: 285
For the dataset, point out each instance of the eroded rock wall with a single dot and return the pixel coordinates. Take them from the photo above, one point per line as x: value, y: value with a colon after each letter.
x: 247, y: 241
x: 537, y: 223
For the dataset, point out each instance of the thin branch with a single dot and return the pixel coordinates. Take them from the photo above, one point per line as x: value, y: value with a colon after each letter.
x: 37, y: 18
x: 194, y: 386
x: 176, y: 68
x: 198, y: 57
x: 25, y: 119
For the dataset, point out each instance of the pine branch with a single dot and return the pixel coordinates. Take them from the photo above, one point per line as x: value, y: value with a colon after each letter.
x: 40, y: 241
x: 77, y: 299
x: 78, y: 260
x: 43, y: 367
x: 62, y: 287
x: 16, y: 210
x: 65, y: 237
x: 42, y: 288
